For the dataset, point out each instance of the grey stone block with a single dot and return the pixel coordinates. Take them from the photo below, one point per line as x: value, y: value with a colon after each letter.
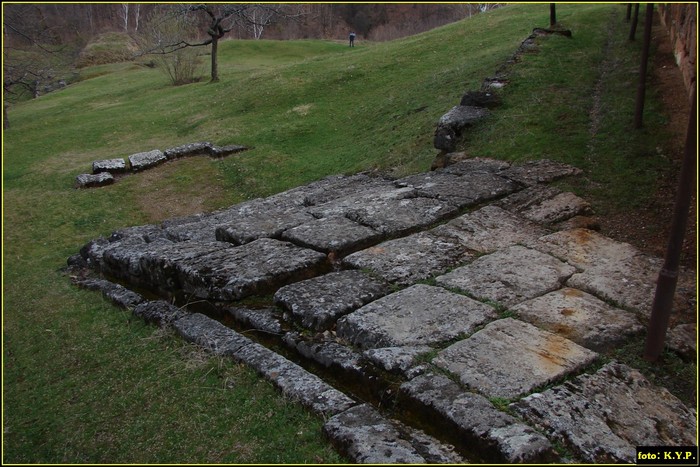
x: 334, y: 234
x: 418, y: 315
x: 603, y: 417
x: 509, y: 276
x: 509, y: 358
x: 145, y: 160
x: 93, y: 180
x: 318, y: 302
x: 113, y: 166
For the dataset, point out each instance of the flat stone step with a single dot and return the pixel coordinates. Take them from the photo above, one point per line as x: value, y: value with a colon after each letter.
x: 580, y: 317
x: 614, y: 271
x: 603, y: 417
x: 409, y: 259
x: 539, y: 171
x: 319, y: 302
x: 418, y: 315
x: 509, y: 276
x: 333, y: 234
x: 256, y: 268
x: 460, y: 190
x: 509, y: 358
x: 366, y: 437
x: 491, y: 228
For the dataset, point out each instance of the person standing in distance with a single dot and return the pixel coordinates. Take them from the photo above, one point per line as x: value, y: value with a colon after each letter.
x: 352, y: 39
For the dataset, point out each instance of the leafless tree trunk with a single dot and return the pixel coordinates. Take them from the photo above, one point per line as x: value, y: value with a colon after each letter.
x: 124, y: 15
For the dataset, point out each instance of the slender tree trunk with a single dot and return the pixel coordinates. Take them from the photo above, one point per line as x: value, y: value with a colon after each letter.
x: 214, y: 59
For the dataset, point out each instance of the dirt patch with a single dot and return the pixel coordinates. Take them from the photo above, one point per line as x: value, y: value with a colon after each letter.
x: 648, y: 228
x: 180, y: 188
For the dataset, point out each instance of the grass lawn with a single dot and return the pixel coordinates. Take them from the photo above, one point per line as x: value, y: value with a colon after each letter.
x: 84, y: 382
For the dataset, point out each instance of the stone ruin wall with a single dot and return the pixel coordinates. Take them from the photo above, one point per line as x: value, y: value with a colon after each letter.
x: 680, y: 21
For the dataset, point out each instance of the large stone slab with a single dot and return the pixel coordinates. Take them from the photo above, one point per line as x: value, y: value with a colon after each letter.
x: 386, y: 208
x: 145, y: 160
x: 580, y: 317
x: 613, y: 271
x: 491, y: 228
x: 351, y: 199
x: 476, y: 165
x: 263, y: 218
x: 418, y: 315
x: 320, y: 301
x: 159, y: 312
x: 259, y: 267
x: 366, y: 437
x: 113, y: 166
x: 412, y: 258
x: 471, y: 418
x: 509, y: 358
x: 603, y: 417
x: 334, y: 234
x: 115, y: 293
x: 461, y: 191
x: 509, y: 276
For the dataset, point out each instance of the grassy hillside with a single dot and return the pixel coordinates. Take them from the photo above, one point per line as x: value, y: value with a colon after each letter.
x: 83, y: 382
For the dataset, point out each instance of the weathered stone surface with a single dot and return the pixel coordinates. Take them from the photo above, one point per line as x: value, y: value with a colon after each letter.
x: 210, y: 334
x: 580, y: 317
x: 159, y: 312
x: 320, y: 301
x: 267, y: 320
x: 340, y: 186
x: 492, y: 228
x: 612, y: 270
x: 539, y: 171
x: 509, y: 358
x: 157, y: 263
x: 604, y: 416
x: 112, y: 166
x: 490, y: 433
x: 401, y: 360
x: 146, y: 160
x: 418, y: 315
x: 453, y: 122
x: 557, y: 209
x: 682, y: 339
x: 115, y: 293
x: 255, y: 268
x: 262, y: 218
x: 409, y: 259
x: 191, y: 149
x: 351, y: 199
x: 366, y: 437
x: 295, y: 382
x: 461, y: 191
x: 223, y: 151
x: 400, y: 216
x: 93, y: 180
x: 337, y: 234
x: 509, y: 276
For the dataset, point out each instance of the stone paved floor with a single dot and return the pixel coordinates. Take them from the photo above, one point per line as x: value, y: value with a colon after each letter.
x: 461, y: 298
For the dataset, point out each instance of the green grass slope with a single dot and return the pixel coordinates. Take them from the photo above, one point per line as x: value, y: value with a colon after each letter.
x: 82, y: 381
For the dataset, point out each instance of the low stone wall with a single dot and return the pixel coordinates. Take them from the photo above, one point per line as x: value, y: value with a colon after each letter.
x: 680, y: 21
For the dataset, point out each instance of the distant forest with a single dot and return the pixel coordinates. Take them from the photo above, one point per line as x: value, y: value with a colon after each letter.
x: 78, y: 23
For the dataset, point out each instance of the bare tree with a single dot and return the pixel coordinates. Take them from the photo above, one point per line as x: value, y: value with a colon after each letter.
x: 124, y: 15
x: 221, y: 19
